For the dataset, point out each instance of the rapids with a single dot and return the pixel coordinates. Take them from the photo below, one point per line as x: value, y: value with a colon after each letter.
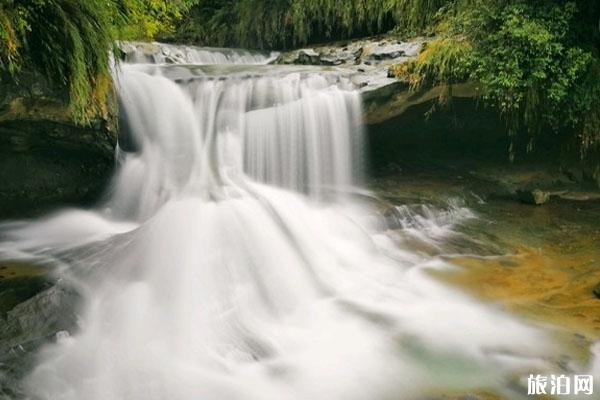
x: 235, y: 256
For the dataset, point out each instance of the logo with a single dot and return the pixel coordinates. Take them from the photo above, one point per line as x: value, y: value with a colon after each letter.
x: 559, y: 385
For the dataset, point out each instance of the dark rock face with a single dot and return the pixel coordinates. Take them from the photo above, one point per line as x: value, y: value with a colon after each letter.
x: 429, y: 134
x: 46, y: 158
x: 468, y: 141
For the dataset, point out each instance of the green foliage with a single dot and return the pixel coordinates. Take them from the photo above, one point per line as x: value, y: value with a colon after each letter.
x: 287, y: 23
x: 417, y: 16
x: 67, y: 40
x: 527, y: 65
x: 208, y: 22
x: 537, y: 64
x: 584, y: 110
x: 441, y: 62
x: 12, y: 27
x: 537, y: 61
x: 148, y: 18
x: 70, y: 41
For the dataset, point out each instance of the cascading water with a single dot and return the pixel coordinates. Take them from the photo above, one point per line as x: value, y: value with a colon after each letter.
x: 229, y: 261
x: 162, y: 53
x: 296, y: 131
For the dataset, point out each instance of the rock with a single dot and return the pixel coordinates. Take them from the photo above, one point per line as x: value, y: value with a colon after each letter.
x: 149, y: 49
x: 336, y: 57
x: 308, y: 57
x: 326, y: 60
x: 386, y: 51
x: 46, y: 157
x: 596, y: 291
x: 38, y: 319
x: 370, y: 51
x: 325, y: 55
x: 534, y: 197
x: 366, y: 61
x: 47, y: 317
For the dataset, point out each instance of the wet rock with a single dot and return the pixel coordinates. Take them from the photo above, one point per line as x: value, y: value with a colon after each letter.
x: 533, y: 197
x: 45, y: 318
x: 308, y: 57
x: 388, y: 51
x: 47, y: 158
x: 368, y: 51
x: 387, y: 55
x: 367, y: 63
x: 37, y: 320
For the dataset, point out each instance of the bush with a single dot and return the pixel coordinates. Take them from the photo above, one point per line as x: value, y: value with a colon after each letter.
x: 441, y: 62
x: 535, y: 61
x: 148, y: 18
x: 528, y: 65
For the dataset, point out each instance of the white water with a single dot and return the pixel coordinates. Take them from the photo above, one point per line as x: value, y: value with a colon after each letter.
x: 163, y: 53
x: 229, y: 261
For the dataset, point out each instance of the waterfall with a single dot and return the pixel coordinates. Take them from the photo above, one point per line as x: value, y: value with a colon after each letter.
x: 231, y: 260
x: 298, y: 131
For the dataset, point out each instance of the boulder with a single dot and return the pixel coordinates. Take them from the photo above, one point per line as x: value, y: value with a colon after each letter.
x: 307, y: 57
x: 534, y: 197
x: 38, y: 319
x: 47, y: 317
x: 389, y: 51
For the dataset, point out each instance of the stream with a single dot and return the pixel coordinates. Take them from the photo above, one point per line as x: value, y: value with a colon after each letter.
x: 241, y: 252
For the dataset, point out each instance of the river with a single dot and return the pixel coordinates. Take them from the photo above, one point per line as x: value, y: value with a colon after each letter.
x: 239, y: 254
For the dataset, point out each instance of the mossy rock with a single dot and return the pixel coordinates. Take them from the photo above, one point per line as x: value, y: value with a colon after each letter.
x: 47, y: 158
